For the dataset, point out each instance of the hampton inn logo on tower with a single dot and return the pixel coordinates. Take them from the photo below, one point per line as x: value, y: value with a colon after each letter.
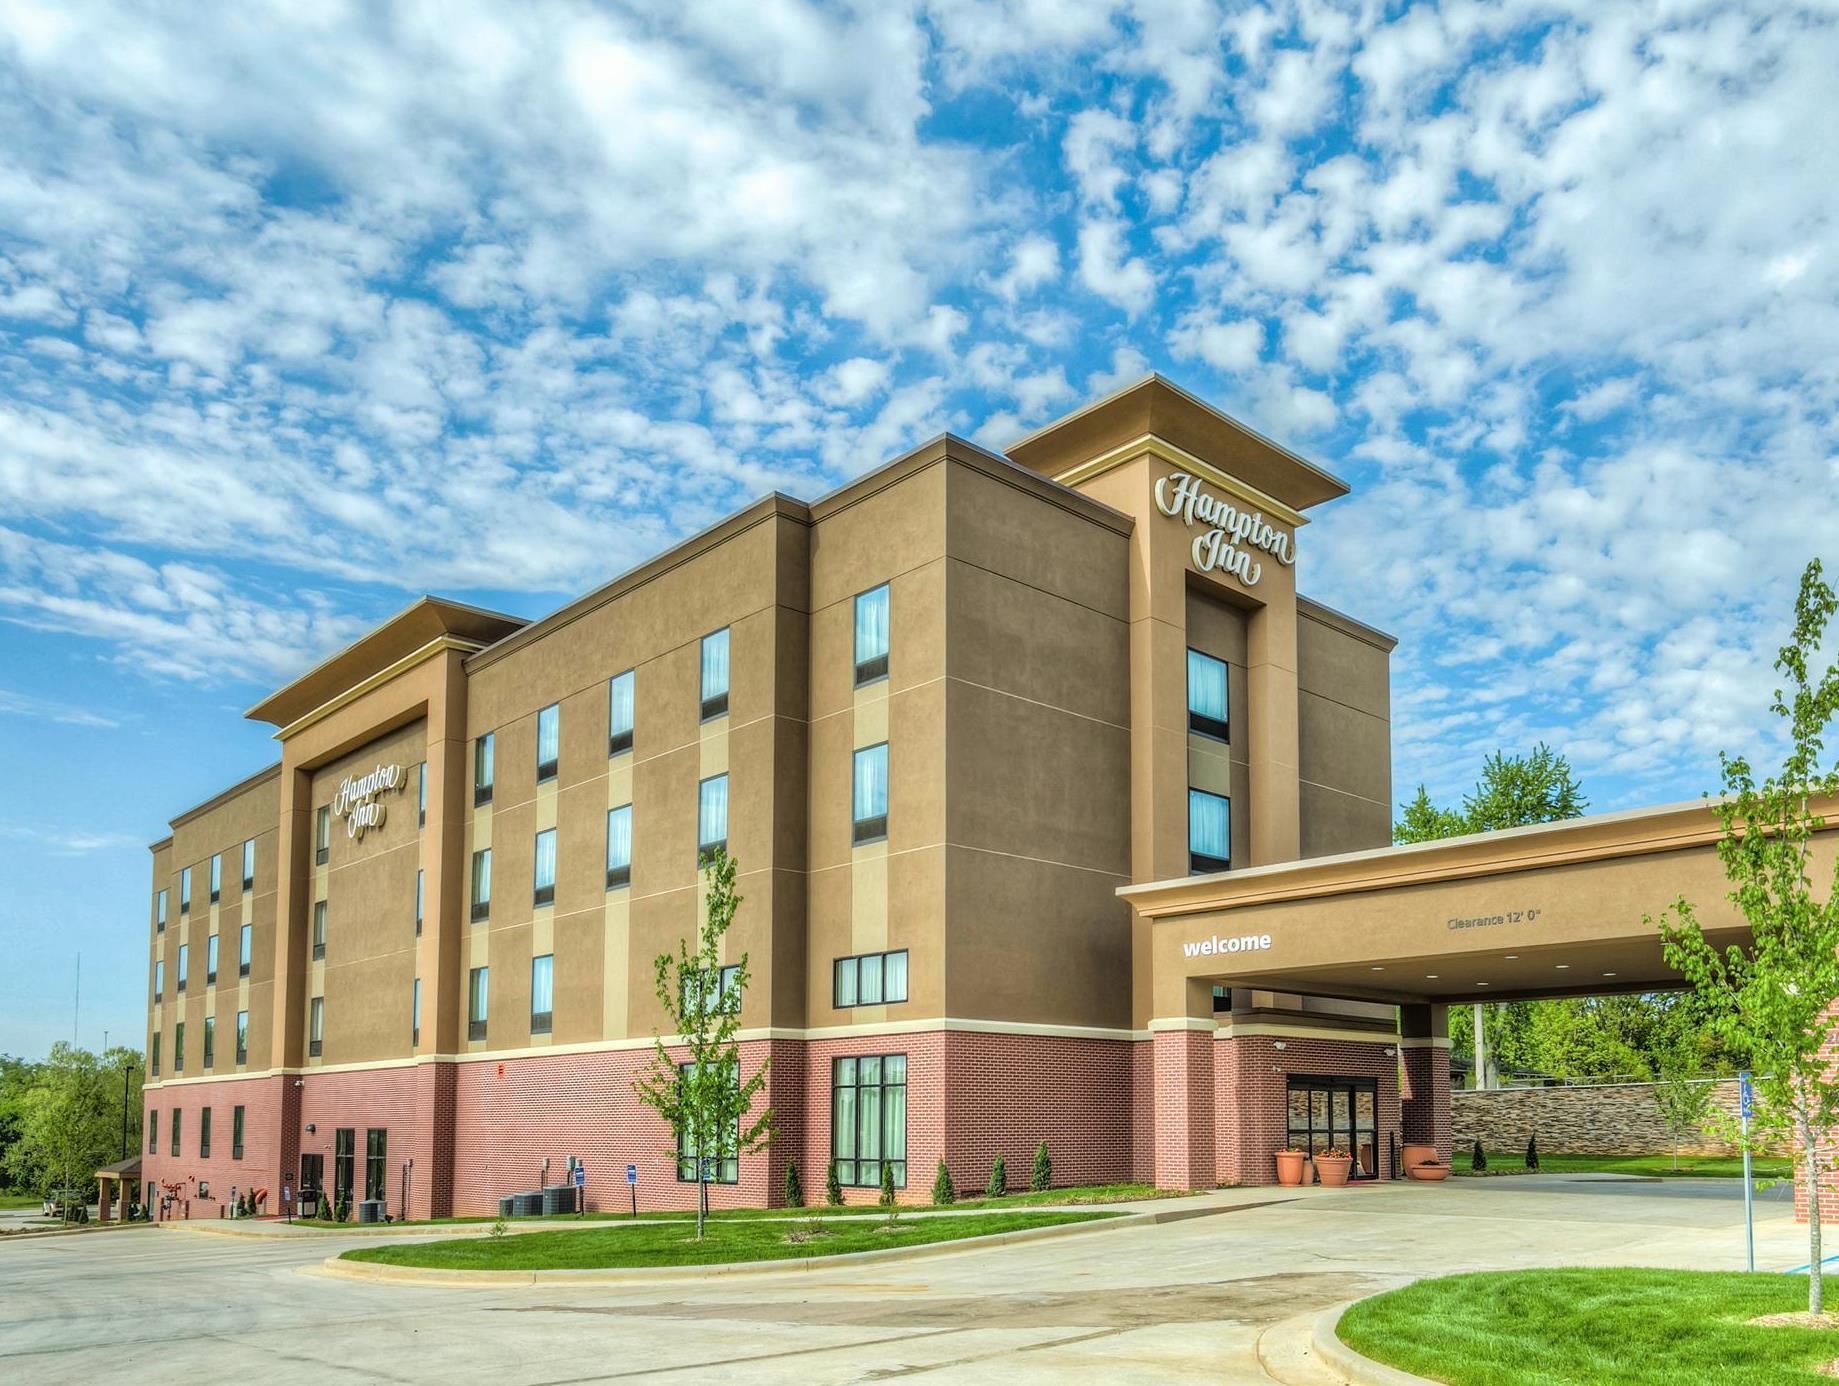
x: 1218, y: 547
x: 357, y: 800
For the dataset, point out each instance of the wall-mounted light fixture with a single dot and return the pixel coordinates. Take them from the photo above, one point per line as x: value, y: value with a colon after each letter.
x: 1279, y: 1044
x: 311, y: 1128
x: 1390, y: 1051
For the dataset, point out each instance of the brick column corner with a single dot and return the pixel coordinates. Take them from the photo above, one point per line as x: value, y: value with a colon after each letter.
x: 1184, y: 1108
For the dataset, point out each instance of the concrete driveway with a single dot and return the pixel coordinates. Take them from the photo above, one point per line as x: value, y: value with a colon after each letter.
x: 1186, y: 1301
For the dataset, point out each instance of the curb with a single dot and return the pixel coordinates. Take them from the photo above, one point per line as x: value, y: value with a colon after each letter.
x: 1338, y: 1357
x: 378, y: 1273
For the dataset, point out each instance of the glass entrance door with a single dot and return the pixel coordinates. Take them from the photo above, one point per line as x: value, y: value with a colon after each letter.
x: 1336, y: 1114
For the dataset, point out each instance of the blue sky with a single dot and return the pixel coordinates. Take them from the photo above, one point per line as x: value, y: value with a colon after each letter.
x: 307, y: 309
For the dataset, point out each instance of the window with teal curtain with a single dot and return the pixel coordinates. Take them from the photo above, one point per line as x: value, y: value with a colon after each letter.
x: 872, y: 635
x: 1207, y: 695
x: 542, y: 993
x: 1209, y: 832
x: 619, y: 846
x: 619, y: 713
x: 871, y: 793
x: 545, y: 855
x: 715, y: 674
x: 548, y: 741
x: 712, y: 814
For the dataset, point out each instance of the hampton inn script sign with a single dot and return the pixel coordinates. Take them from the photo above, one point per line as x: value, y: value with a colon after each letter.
x: 1228, y: 534
x: 359, y: 800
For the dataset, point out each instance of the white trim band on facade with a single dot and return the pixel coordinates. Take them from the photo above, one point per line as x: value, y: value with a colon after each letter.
x: 1266, y: 1030
x: 1182, y: 1022
x: 1166, y: 451
x: 1425, y: 1042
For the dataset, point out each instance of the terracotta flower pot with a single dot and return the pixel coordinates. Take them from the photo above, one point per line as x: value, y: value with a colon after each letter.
x: 1290, y: 1167
x: 1334, y: 1169
x: 1411, y: 1156
x: 1430, y: 1172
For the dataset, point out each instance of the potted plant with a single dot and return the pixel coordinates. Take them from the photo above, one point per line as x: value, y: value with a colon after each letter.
x: 1411, y: 1156
x: 1290, y: 1167
x: 1334, y: 1166
x: 1431, y: 1171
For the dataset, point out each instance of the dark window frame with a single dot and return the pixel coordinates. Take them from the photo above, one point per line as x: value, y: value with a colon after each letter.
x: 204, y: 1134
x: 715, y: 704
x: 210, y: 1041
x: 322, y: 910
x: 242, y: 1037
x: 541, y: 894
x: 249, y: 864
x: 875, y: 668
x: 849, y: 1167
x: 322, y: 834
x: 482, y: 906
x: 620, y: 741
x: 1199, y: 723
x: 543, y: 1022
x: 547, y: 770
x: 236, y: 1133
x: 686, y: 1158
x: 485, y: 748
x: 836, y: 1001
x: 1201, y: 863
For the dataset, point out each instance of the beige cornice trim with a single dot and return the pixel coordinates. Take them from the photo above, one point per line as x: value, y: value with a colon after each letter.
x: 1263, y: 1029
x: 1182, y: 1022
x: 1425, y: 1042
x: 439, y: 645
x: 1166, y: 451
x: 824, y: 1032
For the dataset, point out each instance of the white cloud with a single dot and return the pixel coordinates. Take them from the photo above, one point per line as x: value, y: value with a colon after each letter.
x: 1109, y: 271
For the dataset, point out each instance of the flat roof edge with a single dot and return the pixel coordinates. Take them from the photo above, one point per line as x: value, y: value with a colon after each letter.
x: 219, y: 799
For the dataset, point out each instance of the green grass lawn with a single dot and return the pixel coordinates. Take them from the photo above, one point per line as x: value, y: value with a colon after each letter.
x: 8, y: 1200
x: 1690, y: 1166
x: 729, y: 1239
x: 1584, y: 1327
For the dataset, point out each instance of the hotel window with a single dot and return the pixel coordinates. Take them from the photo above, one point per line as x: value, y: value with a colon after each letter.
x: 204, y: 1135
x: 242, y: 1037
x: 711, y: 815
x: 871, y: 979
x: 690, y: 1146
x: 185, y: 891
x: 478, y: 984
x: 210, y: 961
x: 548, y: 742
x: 619, y: 713
x: 210, y: 1041
x: 159, y: 914
x: 871, y: 794
x: 545, y: 870
x: 1207, y: 695
x: 421, y: 878
x: 156, y: 1054
x: 178, y: 1047
x: 322, y: 834
x: 376, y: 1162
x: 872, y: 635
x: 868, y: 1119
x: 482, y: 883
x: 482, y: 769
x: 184, y: 959
x: 153, y: 1132
x: 542, y: 993
x: 159, y: 978
x: 421, y: 796
x: 319, y: 928
x: 715, y: 674
x: 177, y: 1117
x: 316, y: 1026
x: 216, y: 876
x: 714, y: 993
x: 249, y: 864
x: 236, y: 1133
x: 619, y: 846
x: 415, y: 1013
x: 1209, y: 832
x: 245, y: 948
x: 344, y: 1152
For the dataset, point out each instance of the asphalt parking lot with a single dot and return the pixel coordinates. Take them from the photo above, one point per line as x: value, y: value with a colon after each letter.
x: 1185, y: 1301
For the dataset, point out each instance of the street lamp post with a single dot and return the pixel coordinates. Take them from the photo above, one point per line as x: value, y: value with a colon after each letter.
x: 127, y: 1070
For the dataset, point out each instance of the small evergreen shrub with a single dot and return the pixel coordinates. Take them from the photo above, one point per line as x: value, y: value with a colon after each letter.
x: 887, y: 1184
x: 943, y: 1192
x: 1478, y: 1161
x: 999, y: 1178
x: 1043, y: 1179
x: 833, y: 1191
x: 794, y: 1191
x: 1532, y: 1151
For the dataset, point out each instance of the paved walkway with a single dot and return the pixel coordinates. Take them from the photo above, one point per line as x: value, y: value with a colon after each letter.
x: 1184, y: 1301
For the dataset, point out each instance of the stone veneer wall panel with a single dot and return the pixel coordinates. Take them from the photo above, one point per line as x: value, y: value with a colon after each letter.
x: 1605, y: 1119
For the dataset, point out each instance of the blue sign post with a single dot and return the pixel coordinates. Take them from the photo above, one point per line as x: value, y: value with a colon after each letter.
x: 632, y: 1183
x: 580, y: 1190
x: 1746, y: 1106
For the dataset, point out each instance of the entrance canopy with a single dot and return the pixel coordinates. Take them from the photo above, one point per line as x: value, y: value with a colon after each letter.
x: 1552, y: 910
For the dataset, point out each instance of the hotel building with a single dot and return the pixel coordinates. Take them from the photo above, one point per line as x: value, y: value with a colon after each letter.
x: 1039, y: 772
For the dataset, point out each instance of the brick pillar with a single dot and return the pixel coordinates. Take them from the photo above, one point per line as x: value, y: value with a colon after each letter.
x: 1424, y: 1098
x: 287, y: 1104
x: 431, y: 1146
x: 1185, y: 1108
x: 102, y: 1199
x: 785, y: 1094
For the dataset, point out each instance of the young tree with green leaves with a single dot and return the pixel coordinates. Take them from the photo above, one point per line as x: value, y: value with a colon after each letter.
x: 71, y: 1115
x: 1514, y: 791
x: 1774, y: 997
x: 702, y: 1095
x: 1682, y: 1094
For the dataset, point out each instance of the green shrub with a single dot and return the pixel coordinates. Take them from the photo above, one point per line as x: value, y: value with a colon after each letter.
x: 887, y: 1184
x: 1532, y: 1152
x: 1043, y: 1179
x: 794, y: 1191
x: 999, y: 1178
x: 1478, y: 1160
x: 833, y: 1191
x: 943, y: 1191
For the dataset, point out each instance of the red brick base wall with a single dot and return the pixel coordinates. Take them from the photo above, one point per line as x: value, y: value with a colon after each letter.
x: 260, y: 1166
x: 1184, y: 1098
x: 1426, y: 1100
x: 1253, y: 1079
